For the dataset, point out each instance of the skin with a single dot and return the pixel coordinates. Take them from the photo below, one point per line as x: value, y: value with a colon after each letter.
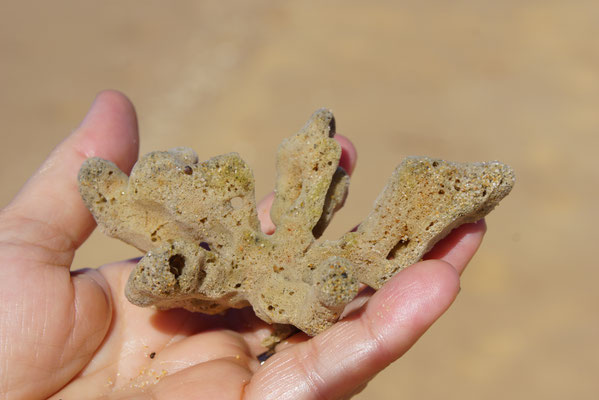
x: 73, y: 335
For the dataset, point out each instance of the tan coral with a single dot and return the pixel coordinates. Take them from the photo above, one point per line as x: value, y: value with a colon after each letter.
x: 206, y: 252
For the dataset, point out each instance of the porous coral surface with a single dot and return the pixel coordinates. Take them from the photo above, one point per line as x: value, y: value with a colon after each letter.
x: 198, y: 224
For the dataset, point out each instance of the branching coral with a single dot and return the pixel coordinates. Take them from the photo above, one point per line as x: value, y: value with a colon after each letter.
x: 197, y: 223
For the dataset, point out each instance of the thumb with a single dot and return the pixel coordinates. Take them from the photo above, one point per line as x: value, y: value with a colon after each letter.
x: 48, y: 210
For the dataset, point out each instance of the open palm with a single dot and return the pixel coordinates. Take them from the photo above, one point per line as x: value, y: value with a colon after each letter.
x: 73, y: 335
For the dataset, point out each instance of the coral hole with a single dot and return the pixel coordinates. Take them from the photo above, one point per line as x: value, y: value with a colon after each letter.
x: 176, y: 264
x: 397, y: 248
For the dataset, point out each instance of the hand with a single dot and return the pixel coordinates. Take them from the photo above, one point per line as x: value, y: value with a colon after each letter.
x: 74, y: 335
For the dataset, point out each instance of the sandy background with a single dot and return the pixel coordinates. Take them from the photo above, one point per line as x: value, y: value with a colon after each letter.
x: 478, y: 80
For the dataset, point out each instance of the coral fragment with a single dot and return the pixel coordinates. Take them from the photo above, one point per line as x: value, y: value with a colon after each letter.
x: 205, y: 252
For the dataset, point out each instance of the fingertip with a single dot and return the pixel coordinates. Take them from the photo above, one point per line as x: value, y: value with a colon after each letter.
x: 116, y: 100
x: 444, y: 277
x: 439, y: 270
x: 349, y: 155
x: 263, y: 210
x: 109, y: 130
x: 460, y: 245
x: 113, y: 96
x: 414, y: 298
